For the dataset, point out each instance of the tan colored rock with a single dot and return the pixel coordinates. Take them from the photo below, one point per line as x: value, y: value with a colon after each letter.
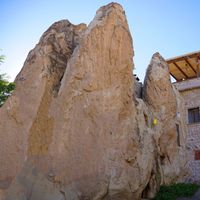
x: 159, y: 95
x: 36, y: 86
x: 31, y: 184
x: 2, y: 194
x: 74, y: 128
x: 96, y: 112
x: 167, y: 107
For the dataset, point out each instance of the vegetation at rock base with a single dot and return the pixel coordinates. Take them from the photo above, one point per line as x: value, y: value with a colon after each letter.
x: 172, y: 192
x: 6, y: 88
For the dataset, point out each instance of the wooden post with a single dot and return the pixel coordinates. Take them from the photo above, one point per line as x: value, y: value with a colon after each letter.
x: 198, y: 66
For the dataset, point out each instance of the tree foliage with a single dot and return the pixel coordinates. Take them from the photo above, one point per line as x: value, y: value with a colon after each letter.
x: 6, y: 88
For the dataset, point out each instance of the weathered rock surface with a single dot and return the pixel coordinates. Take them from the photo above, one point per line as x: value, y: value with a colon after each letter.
x: 36, y: 85
x: 169, y: 135
x: 74, y: 128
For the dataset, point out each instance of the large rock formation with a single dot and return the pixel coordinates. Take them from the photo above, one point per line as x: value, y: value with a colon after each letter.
x: 167, y: 107
x: 36, y: 85
x: 74, y: 128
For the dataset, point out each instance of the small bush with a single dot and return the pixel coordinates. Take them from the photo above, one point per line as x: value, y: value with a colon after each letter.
x: 172, y: 192
x: 6, y: 89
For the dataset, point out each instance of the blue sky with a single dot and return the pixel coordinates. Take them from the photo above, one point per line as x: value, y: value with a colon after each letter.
x: 171, y: 27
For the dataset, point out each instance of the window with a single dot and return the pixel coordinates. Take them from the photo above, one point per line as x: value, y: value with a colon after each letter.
x: 193, y: 115
x: 197, y: 154
x: 178, y: 135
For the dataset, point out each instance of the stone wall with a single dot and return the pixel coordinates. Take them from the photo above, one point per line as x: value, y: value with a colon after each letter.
x: 188, y: 84
x: 191, y: 93
x: 193, y: 144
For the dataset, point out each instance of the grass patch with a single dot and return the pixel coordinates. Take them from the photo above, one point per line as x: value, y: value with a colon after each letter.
x: 172, y: 192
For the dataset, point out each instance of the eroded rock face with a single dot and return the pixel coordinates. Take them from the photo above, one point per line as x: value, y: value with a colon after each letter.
x: 74, y: 129
x: 169, y: 133
x: 36, y: 85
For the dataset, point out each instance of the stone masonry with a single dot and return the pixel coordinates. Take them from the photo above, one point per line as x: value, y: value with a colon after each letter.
x: 190, y: 91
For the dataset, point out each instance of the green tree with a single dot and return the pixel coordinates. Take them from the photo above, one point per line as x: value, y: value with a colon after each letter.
x: 6, y: 88
x: 1, y: 58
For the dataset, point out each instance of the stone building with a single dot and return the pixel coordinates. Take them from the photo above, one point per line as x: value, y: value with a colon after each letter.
x: 185, y: 71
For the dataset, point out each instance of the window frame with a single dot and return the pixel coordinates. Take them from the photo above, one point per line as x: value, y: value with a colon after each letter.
x: 193, y: 115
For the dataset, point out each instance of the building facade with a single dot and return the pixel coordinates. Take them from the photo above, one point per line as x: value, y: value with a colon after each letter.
x: 185, y: 72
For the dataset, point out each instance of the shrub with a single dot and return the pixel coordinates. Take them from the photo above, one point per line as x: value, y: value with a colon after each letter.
x: 172, y: 192
x: 6, y: 88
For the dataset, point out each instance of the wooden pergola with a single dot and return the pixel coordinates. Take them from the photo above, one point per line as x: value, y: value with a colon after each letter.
x: 185, y: 67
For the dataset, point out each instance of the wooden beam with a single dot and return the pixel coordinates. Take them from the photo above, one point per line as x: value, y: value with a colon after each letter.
x: 176, y: 65
x: 198, y: 65
x: 174, y: 77
x: 183, y: 57
x: 187, y: 61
